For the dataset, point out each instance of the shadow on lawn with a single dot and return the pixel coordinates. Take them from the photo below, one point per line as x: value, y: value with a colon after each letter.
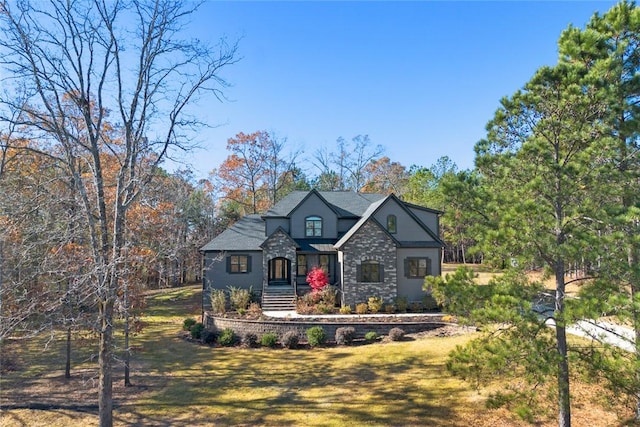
x: 179, y: 383
x: 287, y: 387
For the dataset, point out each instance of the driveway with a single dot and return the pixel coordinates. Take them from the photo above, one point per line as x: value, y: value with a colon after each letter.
x: 604, y: 332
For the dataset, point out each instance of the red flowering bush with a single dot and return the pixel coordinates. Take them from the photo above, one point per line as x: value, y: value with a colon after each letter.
x: 317, y: 279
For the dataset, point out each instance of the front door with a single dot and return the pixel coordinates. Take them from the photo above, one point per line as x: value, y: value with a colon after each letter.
x: 279, y: 271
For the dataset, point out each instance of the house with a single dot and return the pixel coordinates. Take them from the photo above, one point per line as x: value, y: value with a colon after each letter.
x: 369, y: 244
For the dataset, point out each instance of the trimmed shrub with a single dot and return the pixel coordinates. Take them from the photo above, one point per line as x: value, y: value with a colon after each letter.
x: 371, y: 336
x: 323, y: 308
x: 316, y: 336
x: 303, y: 307
x: 429, y: 303
x: 346, y: 309
x: 389, y: 308
x: 396, y: 334
x: 375, y: 304
x: 239, y: 298
x: 345, y: 335
x: 402, y: 304
x: 362, y: 308
x: 254, y: 309
x: 416, y: 307
x: 269, y: 339
x: 208, y: 337
x: 290, y: 339
x: 227, y: 338
x: 250, y: 339
x: 196, y: 331
x: 328, y: 295
x: 218, y: 301
x: 188, y: 323
x: 312, y: 298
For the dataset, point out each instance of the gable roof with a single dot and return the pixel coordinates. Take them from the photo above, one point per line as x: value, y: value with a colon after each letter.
x: 373, y: 208
x: 344, y: 203
x: 245, y: 235
x: 248, y: 234
x: 281, y: 231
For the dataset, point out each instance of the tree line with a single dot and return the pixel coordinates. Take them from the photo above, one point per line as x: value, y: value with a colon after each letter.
x: 262, y: 168
x: 89, y: 218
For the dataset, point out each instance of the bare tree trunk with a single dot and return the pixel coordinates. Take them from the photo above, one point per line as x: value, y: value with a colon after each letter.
x: 127, y: 350
x: 125, y: 296
x: 632, y: 258
x: 464, y: 257
x: 564, y: 402
x: 67, y: 366
x: 105, y: 364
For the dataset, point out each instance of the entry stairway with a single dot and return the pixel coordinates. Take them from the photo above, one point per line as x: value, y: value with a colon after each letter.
x: 278, y: 298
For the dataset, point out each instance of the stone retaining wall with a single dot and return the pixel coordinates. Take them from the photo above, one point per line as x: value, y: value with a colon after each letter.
x: 259, y: 327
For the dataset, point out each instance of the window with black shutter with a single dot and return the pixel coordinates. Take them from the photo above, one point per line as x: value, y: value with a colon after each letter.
x: 238, y: 264
x: 415, y: 267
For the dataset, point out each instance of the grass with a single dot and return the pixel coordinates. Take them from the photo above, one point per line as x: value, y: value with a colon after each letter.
x: 180, y: 383
x: 483, y: 273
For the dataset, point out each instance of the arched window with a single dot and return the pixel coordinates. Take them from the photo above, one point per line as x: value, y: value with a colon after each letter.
x: 392, y: 225
x: 313, y: 226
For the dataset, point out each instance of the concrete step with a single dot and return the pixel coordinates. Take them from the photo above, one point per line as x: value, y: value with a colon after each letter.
x: 276, y: 301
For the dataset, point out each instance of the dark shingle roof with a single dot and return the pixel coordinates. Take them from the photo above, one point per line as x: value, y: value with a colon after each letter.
x: 245, y: 235
x: 345, y: 203
x: 249, y: 232
x: 316, y: 245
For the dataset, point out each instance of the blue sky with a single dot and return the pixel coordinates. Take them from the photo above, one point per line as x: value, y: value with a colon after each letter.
x: 420, y: 78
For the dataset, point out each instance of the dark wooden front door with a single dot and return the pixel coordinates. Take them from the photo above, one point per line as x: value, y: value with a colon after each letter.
x: 279, y: 271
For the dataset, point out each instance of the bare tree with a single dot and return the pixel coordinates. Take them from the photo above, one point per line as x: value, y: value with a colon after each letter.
x: 348, y: 163
x: 105, y: 79
x: 281, y: 168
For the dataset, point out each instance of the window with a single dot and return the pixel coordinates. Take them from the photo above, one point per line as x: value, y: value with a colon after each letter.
x: 417, y: 267
x: 370, y: 271
x: 392, y: 226
x: 313, y: 226
x: 324, y: 263
x: 238, y: 264
x: 302, y: 265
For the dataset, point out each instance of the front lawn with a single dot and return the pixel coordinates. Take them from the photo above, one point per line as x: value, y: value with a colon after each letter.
x: 182, y: 383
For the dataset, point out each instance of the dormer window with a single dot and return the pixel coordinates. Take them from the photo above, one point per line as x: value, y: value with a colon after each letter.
x: 313, y: 226
x: 392, y: 226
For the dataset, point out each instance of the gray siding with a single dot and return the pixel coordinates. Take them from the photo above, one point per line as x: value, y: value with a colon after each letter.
x: 407, y: 228
x: 345, y: 225
x: 272, y: 225
x: 409, y: 287
x: 314, y: 206
x: 429, y: 219
x: 216, y: 276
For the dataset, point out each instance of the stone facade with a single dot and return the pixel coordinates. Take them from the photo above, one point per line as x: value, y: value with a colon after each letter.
x: 279, y: 245
x: 369, y: 243
x: 260, y: 327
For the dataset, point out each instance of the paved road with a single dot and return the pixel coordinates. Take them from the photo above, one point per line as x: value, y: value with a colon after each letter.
x: 604, y: 332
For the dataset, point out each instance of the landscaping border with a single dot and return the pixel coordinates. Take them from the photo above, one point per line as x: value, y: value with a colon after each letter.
x: 280, y: 326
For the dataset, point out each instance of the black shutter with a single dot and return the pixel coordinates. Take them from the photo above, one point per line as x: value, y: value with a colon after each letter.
x: 406, y: 267
x: 248, y: 263
x: 381, y: 272
x: 429, y: 267
x: 358, y: 272
x: 228, y: 264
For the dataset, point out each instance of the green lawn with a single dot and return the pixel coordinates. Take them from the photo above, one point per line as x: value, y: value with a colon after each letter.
x: 181, y: 383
